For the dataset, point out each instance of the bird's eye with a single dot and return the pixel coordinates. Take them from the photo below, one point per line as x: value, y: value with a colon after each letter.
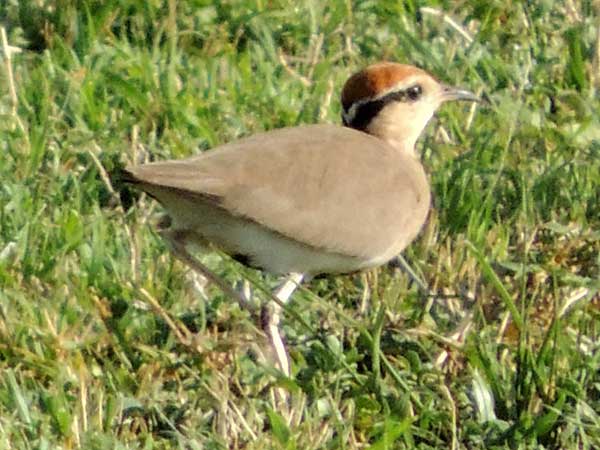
x: 414, y: 92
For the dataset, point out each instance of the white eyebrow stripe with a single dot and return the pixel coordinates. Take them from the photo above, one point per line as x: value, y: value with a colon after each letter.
x: 350, y: 115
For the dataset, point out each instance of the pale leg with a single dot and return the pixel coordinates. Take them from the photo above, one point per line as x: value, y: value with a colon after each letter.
x: 176, y: 241
x: 282, y: 293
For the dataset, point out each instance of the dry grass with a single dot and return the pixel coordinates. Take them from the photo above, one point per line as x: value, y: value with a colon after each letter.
x: 106, y: 341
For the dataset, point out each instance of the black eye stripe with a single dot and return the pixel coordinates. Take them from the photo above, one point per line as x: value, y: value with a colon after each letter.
x: 366, y: 111
x: 411, y: 93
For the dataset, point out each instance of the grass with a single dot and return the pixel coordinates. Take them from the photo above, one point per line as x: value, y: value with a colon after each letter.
x: 107, y: 342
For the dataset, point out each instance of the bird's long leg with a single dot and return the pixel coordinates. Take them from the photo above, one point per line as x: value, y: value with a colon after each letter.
x: 271, y: 324
x: 176, y: 241
x: 272, y: 316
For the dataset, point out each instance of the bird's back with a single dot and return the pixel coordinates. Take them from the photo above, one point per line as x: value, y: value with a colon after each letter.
x: 334, y: 189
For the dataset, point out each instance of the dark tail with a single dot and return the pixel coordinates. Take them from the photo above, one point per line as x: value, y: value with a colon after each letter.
x: 121, y: 176
x: 121, y: 179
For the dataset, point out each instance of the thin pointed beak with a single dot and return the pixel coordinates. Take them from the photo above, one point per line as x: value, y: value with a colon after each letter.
x: 453, y: 93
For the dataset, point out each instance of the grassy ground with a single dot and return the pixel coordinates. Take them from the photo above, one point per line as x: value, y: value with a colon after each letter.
x: 107, y: 342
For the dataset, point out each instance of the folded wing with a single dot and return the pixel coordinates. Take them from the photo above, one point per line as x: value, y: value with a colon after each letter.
x: 322, y: 185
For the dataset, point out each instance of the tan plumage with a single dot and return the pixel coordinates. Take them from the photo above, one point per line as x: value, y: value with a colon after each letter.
x: 321, y: 186
x: 316, y: 198
x: 309, y: 199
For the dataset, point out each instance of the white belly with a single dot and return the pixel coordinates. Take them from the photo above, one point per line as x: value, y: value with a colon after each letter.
x: 248, y: 240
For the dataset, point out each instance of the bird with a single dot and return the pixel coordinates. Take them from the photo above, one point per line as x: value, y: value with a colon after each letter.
x: 311, y: 199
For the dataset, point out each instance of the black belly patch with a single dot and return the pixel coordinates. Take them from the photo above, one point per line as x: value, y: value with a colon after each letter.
x: 245, y: 260
x: 242, y: 259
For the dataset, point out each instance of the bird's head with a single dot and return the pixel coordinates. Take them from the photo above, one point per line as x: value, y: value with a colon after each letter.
x: 395, y: 101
